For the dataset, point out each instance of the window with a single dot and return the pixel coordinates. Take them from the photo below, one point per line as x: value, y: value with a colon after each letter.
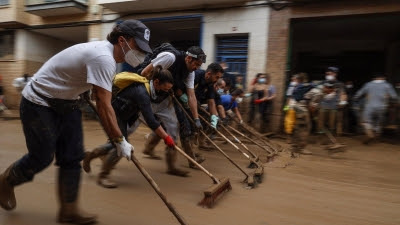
x: 7, y: 45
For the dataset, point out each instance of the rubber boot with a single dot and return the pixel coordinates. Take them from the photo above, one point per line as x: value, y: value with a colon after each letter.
x: 171, y: 156
x: 97, y: 152
x: 150, y: 145
x: 68, y: 188
x: 108, y: 164
x: 187, y: 147
x: 370, y: 136
x: 8, y: 180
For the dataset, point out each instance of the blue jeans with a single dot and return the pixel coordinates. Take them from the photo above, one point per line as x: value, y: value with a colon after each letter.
x: 49, y: 135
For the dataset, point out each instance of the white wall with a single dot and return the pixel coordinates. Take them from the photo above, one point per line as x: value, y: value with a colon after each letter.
x: 36, y: 47
x: 253, y: 21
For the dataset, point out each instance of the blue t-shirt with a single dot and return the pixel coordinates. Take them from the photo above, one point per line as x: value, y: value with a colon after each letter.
x: 227, y: 103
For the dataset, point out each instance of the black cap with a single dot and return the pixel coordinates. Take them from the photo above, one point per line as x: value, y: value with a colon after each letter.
x: 139, y: 32
x: 333, y: 69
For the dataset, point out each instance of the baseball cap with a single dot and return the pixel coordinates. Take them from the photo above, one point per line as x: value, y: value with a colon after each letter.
x: 333, y: 69
x: 139, y: 32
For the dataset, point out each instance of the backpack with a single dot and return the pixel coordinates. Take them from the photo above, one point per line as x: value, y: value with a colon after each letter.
x: 125, y: 79
x: 164, y: 47
x: 301, y: 90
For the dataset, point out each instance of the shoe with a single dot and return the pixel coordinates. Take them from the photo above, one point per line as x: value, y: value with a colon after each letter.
x: 178, y: 172
x: 151, y: 155
x: 304, y: 152
x: 106, y: 182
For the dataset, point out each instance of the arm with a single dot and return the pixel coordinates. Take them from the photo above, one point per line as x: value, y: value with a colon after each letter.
x: 192, y: 102
x: 221, y: 111
x: 106, y: 112
x: 147, y: 70
x: 212, y: 107
x: 236, y: 111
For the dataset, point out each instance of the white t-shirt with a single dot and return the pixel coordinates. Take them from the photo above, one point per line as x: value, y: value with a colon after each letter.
x: 73, y: 71
x: 165, y: 60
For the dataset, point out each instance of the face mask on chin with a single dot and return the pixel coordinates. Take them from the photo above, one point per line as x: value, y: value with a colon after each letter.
x: 133, y: 57
x: 239, y: 100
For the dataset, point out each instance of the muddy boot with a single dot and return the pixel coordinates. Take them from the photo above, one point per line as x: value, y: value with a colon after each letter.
x: 150, y: 145
x: 171, y: 157
x: 68, y: 187
x: 370, y: 136
x: 304, y: 152
x: 187, y: 147
x: 8, y: 180
x: 108, y: 164
x: 97, y: 152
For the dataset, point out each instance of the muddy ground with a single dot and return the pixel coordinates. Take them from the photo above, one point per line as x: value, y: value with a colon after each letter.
x: 358, y: 187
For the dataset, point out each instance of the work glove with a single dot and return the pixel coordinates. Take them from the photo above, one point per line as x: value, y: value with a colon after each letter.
x: 185, y: 100
x: 169, y: 141
x: 124, y: 149
x: 214, y: 121
x: 257, y: 101
x: 198, y: 124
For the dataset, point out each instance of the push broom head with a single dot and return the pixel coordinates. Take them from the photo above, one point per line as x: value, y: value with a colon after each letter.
x: 215, y: 192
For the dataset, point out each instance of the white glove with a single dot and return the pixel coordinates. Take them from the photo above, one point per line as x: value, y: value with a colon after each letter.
x: 124, y: 149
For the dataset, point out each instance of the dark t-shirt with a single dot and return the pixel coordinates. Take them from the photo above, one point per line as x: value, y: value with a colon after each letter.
x: 132, y: 100
x: 203, y: 90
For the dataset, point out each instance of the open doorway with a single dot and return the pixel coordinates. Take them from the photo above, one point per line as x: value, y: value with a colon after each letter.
x: 360, y: 45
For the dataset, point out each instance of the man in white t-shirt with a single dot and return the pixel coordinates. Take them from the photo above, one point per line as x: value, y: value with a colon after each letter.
x: 52, y: 121
x: 182, y: 66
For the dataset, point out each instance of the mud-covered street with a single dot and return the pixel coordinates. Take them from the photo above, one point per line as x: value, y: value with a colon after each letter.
x: 359, y: 187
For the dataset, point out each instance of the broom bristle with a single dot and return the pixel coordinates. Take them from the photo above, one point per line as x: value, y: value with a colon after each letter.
x: 215, y: 192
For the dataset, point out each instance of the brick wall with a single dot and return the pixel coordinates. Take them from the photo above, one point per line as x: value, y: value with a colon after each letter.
x: 277, y: 58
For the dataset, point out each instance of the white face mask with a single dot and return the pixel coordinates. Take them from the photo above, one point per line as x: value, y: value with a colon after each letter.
x: 239, y: 100
x: 220, y: 91
x: 293, y: 83
x: 329, y: 77
x: 262, y: 80
x: 349, y: 86
x: 133, y: 57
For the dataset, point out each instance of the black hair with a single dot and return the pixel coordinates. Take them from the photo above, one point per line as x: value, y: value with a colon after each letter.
x: 196, y: 50
x: 237, y: 92
x: 214, y: 68
x: 113, y: 36
x: 228, y: 82
x: 162, y: 75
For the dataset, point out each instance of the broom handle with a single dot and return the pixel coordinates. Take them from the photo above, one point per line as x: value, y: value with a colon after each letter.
x: 229, y: 141
x: 157, y: 189
x: 215, y: 180
x: 234, y: 137
x: 209, y: 139
x: 248, y: 138
x: 147, y: 176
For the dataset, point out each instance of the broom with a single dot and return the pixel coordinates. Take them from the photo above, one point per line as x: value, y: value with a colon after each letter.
x: 248, y: 179
x: 254, y: 156
x: 216, y: 190
x: 146, y: 175
x: 260, y: 169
